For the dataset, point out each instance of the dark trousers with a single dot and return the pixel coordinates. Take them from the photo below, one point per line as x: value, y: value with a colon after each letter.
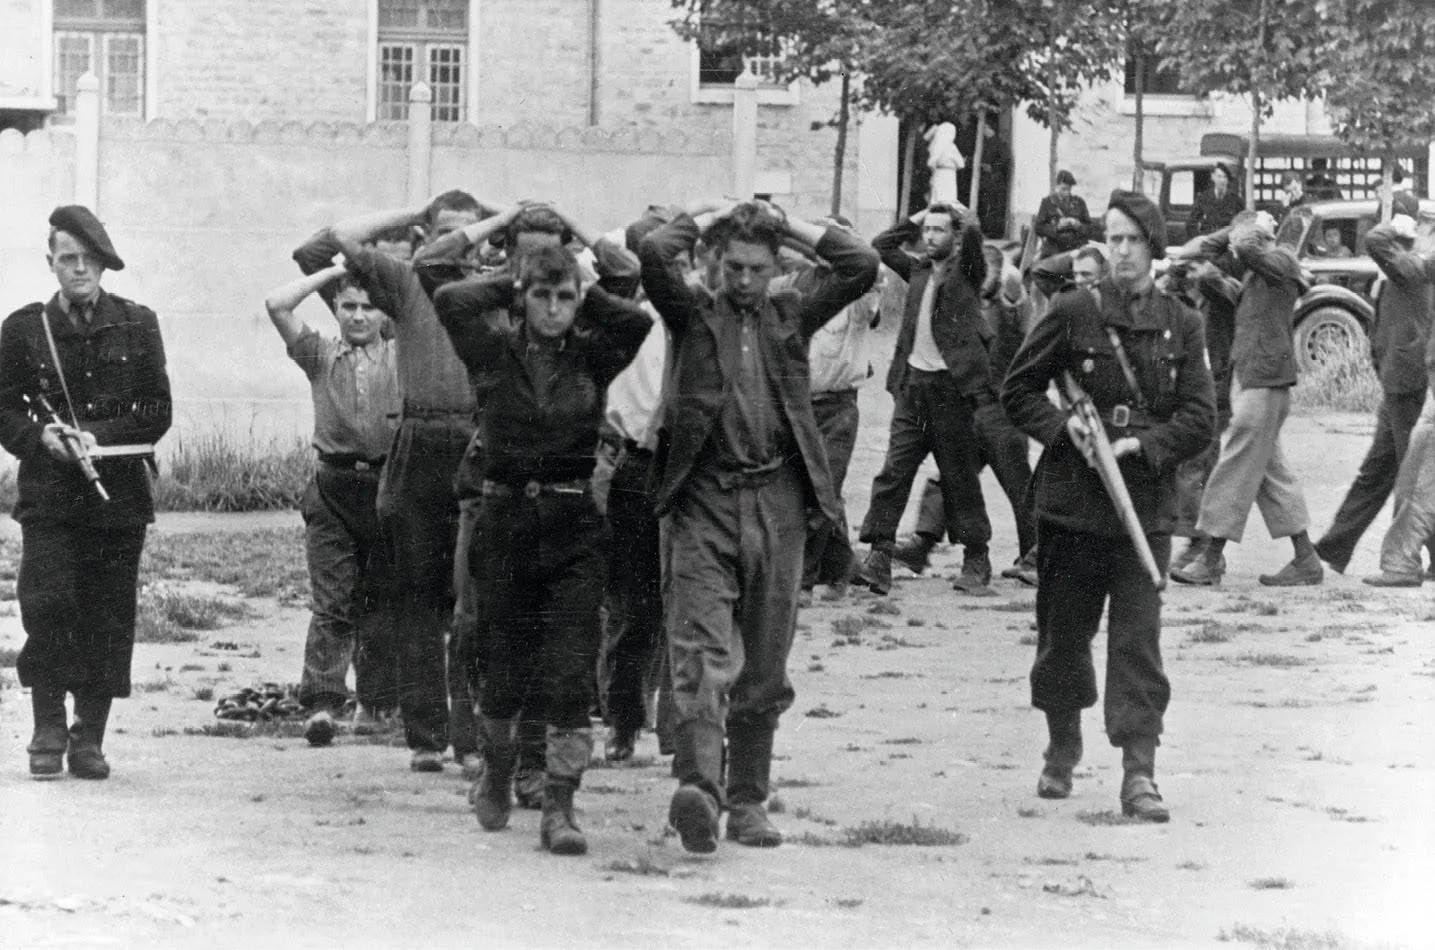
x: 418, y: 518
x: 828, y: 557
x: 1078, y: 574
x: 541, y: 582
x: 931, y: 418
x: 77, y: 603
x: 633, y: 632
x: 1004, y: 448
x: 1375, y: 480
x: 353, y: 614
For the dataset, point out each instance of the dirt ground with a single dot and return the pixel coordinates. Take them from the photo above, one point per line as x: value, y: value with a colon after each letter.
x: 1298, y: 764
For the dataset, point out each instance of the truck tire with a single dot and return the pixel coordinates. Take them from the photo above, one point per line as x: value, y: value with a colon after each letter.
x: 1324, y: 329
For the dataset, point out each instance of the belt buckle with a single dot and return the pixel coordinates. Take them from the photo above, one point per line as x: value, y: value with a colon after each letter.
x: 533, y: 489
x: 362, y: 466
x: 1121, y: 416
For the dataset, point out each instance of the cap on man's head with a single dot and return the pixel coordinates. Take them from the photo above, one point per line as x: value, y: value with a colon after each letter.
x: 1147, y: 216
x: 80, y: 223
x: 1404, y: 202
x: 1065, y: 177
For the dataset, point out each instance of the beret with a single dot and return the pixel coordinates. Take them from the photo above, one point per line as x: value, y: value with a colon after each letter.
x: 80, y: 223
x: 1147, y: 216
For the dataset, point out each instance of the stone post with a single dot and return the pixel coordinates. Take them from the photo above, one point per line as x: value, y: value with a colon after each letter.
x: 744, y: 135
x: 420, y: 142
x: 87, y: 142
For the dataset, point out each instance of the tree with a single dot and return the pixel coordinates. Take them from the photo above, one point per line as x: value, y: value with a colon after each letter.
x: 1380, y: 94
x: 1139, y: 18
x: 1268, y: 50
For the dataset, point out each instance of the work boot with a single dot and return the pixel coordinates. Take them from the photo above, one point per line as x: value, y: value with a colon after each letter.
x: 1192, y: 550
x: 976, y: 576
x: 623, y: 744
x: 426, y: 760
x: 698, y: 765
x: 319, y: 728
x: 1201, y: 572
x: 529, y: 780
x: 1300, y: 572
x: 1139, y: 796
x: 915, y: 552
x: 492, y: 795
x: 50, y: 738
x: 876, y: 571
x: 568, y: 754
x: 1063, y: 752
x: 87, y: 735
x: 1388, y: 579
x: 749, y: 771
x: 1024, y: 570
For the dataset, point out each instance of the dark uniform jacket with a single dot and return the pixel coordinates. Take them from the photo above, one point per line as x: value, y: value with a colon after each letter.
x: 1056, y: 240
x: 1263, y: 348
x: 1402, y: 315
x: 1163, y: 342
x: 536, y: 429
x: 960, y: 332
x: 115, y: 369
x: 1210, y: 213
x: 700, y: 376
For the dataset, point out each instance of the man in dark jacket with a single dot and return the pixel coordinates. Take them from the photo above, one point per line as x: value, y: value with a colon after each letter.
x: 1062, y: 221
x: 1126, y: 330
x: 940, y: 378
x: 1397, y: 348
x: 740, y: 461
x: 99, y: 361
x: 1252, y: 469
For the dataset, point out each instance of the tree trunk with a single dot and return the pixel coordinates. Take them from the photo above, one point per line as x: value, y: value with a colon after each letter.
x: 1051, y: 157
x: 1140, y: 121
x: 1255, y: 147
x: 1387, y: 189
x: 909, y: 161
x: 974, y: 192
x: 839, y: 160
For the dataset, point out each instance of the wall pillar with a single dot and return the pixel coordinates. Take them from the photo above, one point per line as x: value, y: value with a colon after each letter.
x: 420, y: 151
x: 87, y: 142
x: 744, y: 136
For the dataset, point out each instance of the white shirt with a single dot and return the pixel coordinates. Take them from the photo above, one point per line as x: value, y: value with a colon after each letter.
x: 925, y: 355
x: 635, y: 397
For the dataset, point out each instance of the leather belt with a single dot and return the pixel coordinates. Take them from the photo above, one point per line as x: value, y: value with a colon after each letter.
x: 1124, y: 417
x: 733, y: 481
x: 412, y: 411
x: 356, y: 463
x: 534, y: 489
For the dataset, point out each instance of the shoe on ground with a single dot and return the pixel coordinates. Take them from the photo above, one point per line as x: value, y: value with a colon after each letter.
x: 558, y: 832
x: 1201, y: 573
x: 47, y: 764
x: 1141, y: 800
x: 1054, y: 783
x: 623, y: 745
x: 976, y: 576
x: 1301, y: 572
x: 471, y: 766
x: 693, y: 814
x: 876, y: 572
x: 492, y: 804
x: 1192, y: 550
x: 913, y: 554
x: 320, y: 728
x: 365, y: 722
x: 89, y: 763
x: 426, y: 760
x: 528, y: 788
x: 1387, y: 579
x: 749, y: 825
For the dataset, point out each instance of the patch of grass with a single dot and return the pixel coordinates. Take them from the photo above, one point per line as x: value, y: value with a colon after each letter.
x: 905, y: 740
x: 155, y: 686
x: 729, y: 901
x: 776, y: 805
x: 192, y: 611
x: 203, y: 694
x: 1116, y: 858
x: 1212, y: 631
x: 192, y: 668
x: 216, y: 471
x: 1284, y: 938
x: 803, y: 813
x: 890, y: 675
x: 900, y: 833
x: 849, y: 626
x: 795, y: 783
x: 267, y: 562
x: 815, y: 667
x: 152, y: 626
x: 7, y: 590
x: 820, y: 841
x: 9, y: 656
x: 1280, y: 661
x: 916, y: 622
x: 1104, y: 819
x: 1027, y: 640
x: 1191, y: 866
x: 1270, y: 884
x: 1012, y: 606
x: 1026, y: 812
x: 821, y: 712
x: 1051, y: 862
x: 1343, y: 380
x: 642, y: 865
x: 893, y: 642
x: 1342, y: 814
x: 847, y: 903
x: 224, y: 667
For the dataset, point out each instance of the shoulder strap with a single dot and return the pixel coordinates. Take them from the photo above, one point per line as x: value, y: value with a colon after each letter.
x: 1126, y: 369
x: 59, y: 370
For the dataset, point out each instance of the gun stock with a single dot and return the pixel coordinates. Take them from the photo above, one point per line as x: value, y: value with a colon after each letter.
x: 1097, y: 451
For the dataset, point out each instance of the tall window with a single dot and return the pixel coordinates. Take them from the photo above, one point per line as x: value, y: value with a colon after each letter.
x: 719, y: 64
x: 105, y: 37
x: 428, y: 40
x: 1158, y: 82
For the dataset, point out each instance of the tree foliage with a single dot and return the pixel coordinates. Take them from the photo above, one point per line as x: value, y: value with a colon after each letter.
x: 1380, y: 92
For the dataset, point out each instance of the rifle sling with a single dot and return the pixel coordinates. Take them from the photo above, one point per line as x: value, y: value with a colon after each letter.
x: 59, y: 370
x: 1126, y: 369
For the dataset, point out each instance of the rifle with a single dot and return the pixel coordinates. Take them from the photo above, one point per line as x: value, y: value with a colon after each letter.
x: 1096, y: 448
x: 77, y: 447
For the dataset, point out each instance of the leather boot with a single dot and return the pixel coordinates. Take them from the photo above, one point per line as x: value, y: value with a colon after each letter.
x: 1139, y: 797
x: 876, y: 571
x: 915, y: 552
x: 1063, y: 752
x: 568, y: 754
x: 47, y: 744
x: 698, y: 765
x: 492, y: 794
x: 528, y: 781
x: 87, y: 735
x: 749, y: 769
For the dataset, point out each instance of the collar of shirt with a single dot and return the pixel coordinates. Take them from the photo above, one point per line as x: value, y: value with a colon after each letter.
x: 86, y: 305
x: 370, y: 351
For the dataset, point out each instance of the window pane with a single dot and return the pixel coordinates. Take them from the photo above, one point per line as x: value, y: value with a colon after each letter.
x: 396, y: 75
x: 124, y: 74
x: 122, y: 9
x: 398, y: 14
x: 447, y: 15
x: 446, y: 79
x: 77, y: 9
x: 72, y: 60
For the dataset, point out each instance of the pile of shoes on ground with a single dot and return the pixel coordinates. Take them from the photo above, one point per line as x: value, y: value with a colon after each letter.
x: 263, y: 703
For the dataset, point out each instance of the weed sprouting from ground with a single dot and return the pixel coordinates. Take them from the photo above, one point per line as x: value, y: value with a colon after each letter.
x: 217, y: 472
x: 803, y: 813
x: 729, y: 901
x: 1284, y: 938
x: 901, y: 833
x: 847, y: 903
x: 1282, y: 661
x: 268, y: 562
x: 1212, y: 631
x: 1025, y: 812
x: 795, y: 783
x: 204, y: 694
x: 191, y: 611
x: 885, y: 607
x: 1343, y: 380
x: 1102, y: 819
x: 776, y: 805
x: 1270, y: 884
x: 642, y: 865
x: 821, y: 712
x: 1191, y: 866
